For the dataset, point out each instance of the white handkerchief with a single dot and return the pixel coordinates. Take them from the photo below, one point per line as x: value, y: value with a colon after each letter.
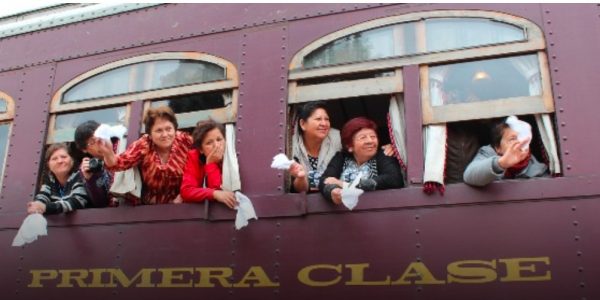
x: 106, y: 131
x: 350, y: 193
x: 245, y: 211
x: 522, y: 128
x: 33, y: 226
x: 281, y: 162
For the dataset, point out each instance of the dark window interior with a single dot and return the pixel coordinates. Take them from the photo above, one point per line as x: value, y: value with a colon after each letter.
x: 372, y: 107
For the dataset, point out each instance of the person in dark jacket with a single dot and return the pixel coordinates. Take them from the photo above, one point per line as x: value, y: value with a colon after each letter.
x: 97, y: 179
x: 360, y: 156
x: 63, y: 189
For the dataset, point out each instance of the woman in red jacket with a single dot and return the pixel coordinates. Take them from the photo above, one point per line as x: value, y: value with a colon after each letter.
x: 202, y: 173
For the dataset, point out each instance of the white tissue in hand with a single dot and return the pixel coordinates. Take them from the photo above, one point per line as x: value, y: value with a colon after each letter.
x: 350, y: 197
x: 280, y: 161
x: 106, y: 131
x: 245, y: 211
x: 350, y: 193
x: 33, y: 226
x: 522, y: 128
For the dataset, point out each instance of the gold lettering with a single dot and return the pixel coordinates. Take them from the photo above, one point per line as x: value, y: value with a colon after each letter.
x: 257, y: 274
x: 145, y: 276
x: 220, y: 274
x: 304, y: 275
x: 38, y: 275
x: 67, y: 276
x: 96, y: 278
x: 472, y: 271
x: 171, y: 274
x: 357, y: 276
x: 524, y: 269
x: 418, y: 272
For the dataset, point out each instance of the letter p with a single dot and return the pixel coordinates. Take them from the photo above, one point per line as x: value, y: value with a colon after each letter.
x: 38, y: 275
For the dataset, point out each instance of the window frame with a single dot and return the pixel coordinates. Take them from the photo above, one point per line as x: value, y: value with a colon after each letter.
x: 226, y: 114
x: 6, y: 118
x: 10, y: 107
x: 534, y: 42
x: 493, y: 108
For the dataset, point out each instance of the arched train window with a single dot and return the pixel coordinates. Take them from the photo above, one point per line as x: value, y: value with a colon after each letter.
x: 473, y: 65
x: 195, y: 85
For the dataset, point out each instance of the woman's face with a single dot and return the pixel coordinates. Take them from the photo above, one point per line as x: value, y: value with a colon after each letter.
x: 364, y: 144
x: 212, y: 140
x: 162, y: 134
x: 60, y: 163
x: 509, y: 138
x: 316, y: 125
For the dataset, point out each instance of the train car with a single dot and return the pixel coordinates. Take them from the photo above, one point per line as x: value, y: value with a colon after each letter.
x: 428, y: 74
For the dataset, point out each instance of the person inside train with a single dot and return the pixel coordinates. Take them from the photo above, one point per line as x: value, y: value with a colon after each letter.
x: 313, y: 146
x: 62, y: 189
x: 505, y: 158
x: 361, y: 156
x: 97, y: 178
x: 160, y: 154
x: 202, y: 176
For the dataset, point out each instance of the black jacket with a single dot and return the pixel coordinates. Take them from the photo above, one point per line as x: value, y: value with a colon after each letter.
x: 389, y: 174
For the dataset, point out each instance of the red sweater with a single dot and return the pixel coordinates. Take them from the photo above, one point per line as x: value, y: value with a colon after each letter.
x: 193, y: 177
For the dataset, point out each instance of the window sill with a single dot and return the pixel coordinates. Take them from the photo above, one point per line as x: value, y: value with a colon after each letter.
x: 294, y: 205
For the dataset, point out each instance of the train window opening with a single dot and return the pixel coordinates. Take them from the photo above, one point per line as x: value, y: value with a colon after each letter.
x: 459, y: 100
x: 196, y: 86
x: 378, y: 108
x: 466, y: 137
x: 474, y: 65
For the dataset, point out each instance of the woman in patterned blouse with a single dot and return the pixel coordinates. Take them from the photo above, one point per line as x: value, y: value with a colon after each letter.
x: 63, y: 189
x: 160, y: 154
x: 361, y: 156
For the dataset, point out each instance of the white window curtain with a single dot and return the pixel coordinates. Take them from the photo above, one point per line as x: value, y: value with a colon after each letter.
x: 435, y: 135
x: 231, y: 169
x: 397, y: 128
x: 529, y: 68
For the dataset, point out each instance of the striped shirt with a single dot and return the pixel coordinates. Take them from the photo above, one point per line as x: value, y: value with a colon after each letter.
x: 161, y: 182
x: 59, y: 199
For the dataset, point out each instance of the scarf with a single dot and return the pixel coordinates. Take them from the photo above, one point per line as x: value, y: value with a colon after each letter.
x: 329, y: 147
x: 515, y: 170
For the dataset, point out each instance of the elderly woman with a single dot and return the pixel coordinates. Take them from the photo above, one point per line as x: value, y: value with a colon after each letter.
x: 160, y: 154
x: 202, y: 174
x: 361, y: 156
x: 63, y: 189
x: 505, y: 158
x: 313, y: 146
